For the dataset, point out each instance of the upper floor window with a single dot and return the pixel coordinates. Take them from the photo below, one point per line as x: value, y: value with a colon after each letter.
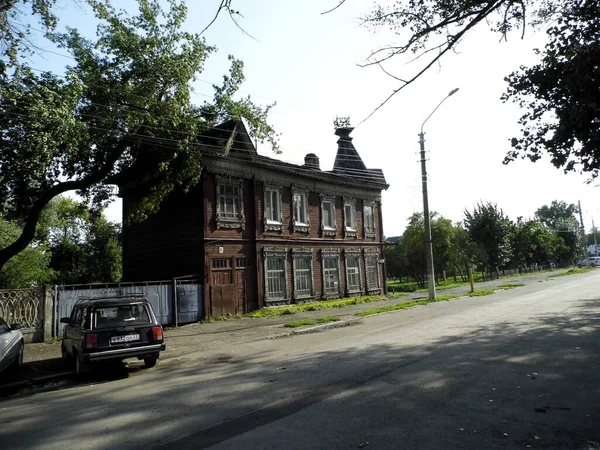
x: 369, y: 219
x: 273, y: 217
x: 328, y: 216
x: 350, y: 216
x: 230, y: 213
x: 300, y: 210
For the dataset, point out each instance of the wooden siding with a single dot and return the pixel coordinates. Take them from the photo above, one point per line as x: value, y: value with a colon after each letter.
x: 167, y: 244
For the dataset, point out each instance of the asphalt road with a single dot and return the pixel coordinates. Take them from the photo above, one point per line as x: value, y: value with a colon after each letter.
x: 515, y: 369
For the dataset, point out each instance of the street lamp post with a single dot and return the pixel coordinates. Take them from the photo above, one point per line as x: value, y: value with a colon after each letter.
x: 426, y: 218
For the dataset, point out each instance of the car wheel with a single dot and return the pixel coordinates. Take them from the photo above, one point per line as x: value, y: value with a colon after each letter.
x: 77, y: 364
x: 19, y: 360
x: 150, y: 362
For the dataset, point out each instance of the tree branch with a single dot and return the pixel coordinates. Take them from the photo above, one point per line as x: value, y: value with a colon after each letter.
x: 334, y: 8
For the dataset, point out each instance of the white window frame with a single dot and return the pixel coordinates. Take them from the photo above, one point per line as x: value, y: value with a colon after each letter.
x: 302, y: 210
x: 303, y: 274
x: 328, y: 229
x: 328, y: 272
x: 273, y: 222
x: 369, y: 231
x: 372, y: 262
x: 270, y: 278
x: 237, y: 219
x: 354, y: 273
x: 350, y: 205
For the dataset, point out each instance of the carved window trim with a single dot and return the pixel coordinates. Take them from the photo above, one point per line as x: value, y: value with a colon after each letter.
x: 372, y: 263
x: 369, y: 232
x: 239, y: 221
x: 281, y: 256
x: 328, y: 230
x: 349, y: 217
x: 301, y: 257
x: 271, y: 224
x: 299, y: 225
x: 353, y: 256
x: 326, y: 273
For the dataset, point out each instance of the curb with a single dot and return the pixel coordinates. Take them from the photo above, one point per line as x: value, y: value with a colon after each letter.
x: 325, y: 326
x: 31, y: 381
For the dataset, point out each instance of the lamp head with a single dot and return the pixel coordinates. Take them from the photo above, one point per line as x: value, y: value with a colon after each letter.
x: 453, y: 91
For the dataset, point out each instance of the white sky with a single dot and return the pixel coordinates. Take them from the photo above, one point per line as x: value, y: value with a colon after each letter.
x: 307, y: 63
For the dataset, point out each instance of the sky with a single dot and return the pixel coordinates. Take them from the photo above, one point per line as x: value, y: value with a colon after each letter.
x: 308, y: 64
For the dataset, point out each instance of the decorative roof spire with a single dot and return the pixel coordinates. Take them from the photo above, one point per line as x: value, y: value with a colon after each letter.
x: 347, y: 159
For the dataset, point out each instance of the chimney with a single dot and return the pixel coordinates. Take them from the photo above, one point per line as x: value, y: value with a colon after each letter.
x: 311, y: 161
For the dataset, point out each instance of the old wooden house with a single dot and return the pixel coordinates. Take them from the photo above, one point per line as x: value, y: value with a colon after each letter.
x: 261, y: 232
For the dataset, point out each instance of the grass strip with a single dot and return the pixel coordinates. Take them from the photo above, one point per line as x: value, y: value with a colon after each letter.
x: 301, y: 323
x: 571, y: 272
x: 481, y: 292
x: 510, y: 285
x: 316, y: 306
x: 403, y: 305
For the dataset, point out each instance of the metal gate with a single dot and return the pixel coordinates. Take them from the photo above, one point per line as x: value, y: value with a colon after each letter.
x: 187, y: 303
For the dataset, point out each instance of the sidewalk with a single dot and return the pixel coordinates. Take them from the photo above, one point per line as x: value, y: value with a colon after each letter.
x: 42, y: 360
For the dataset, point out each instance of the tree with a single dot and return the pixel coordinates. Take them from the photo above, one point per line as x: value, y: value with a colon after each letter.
x: 489, y: 228
x: 561, y: 218
x: 29, y: 267
x: 462, y: 251
x: 533, y: 243
x: 559, y: 95
x: 123, y: 105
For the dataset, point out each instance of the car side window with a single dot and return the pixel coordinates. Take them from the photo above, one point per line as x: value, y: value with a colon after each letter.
x: 3, y: 326
x: 76, y: 318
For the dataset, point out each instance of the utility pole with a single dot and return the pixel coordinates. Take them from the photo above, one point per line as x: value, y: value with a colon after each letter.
x: 595, y: 243
x: 585, y: 254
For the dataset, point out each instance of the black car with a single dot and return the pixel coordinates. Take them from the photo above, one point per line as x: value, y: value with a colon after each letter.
x: 111, y: 329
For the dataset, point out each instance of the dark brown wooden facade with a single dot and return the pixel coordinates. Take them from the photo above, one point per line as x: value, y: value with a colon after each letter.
x: 262, y: 232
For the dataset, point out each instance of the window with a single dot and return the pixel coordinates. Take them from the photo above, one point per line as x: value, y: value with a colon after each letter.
x: 372, y: 271
x: 331, y: 275
x: 303, y: 280
x: 230, y: 211
x: 109, y: 316
x: 369, y: 220
x: 221, y: 263
x: 276, y: 286
x: 328, y: 215
x: 300, y: 209
x: 229, y: 201
x: 353, y: 272
x: 244, y: 262
x: 272, y: 206
x: 350, y: 216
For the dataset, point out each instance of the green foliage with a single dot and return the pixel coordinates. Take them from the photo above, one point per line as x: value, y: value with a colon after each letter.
x: 121, y: 113
x: 27, y: 269
x: 510, y: 285
x: 301, y: 323
x: 489, y: 228
x: 480, y: 292
x: 533, y: 243
x: 561, y: 218
x: 559, y: 94
x: 405, y: 305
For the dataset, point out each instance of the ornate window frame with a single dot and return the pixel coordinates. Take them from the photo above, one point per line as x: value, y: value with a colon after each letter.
x: 229, y: 222
x: 328, y: 230
x: 303, y: 254
x: 269, y: 223
x: 331, y: 255
x: 299, y: 226
x: 349, y: 231
x: 353, y: 254
x: 369, y: 233
x: 372, y: 257
x: 282, y: 254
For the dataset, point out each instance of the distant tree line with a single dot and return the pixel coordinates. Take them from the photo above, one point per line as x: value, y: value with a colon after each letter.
x: 487, y: 241
x: 73, y: 244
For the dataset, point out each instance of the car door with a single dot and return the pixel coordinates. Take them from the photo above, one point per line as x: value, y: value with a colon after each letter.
x: 6, y: 345
x: 72, y: 331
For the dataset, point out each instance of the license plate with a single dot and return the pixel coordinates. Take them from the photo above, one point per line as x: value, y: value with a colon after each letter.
x: 125, y: 338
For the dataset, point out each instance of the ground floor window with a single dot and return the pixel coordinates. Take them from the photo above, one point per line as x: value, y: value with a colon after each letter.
x: 303, y: 275
x: 276, y: 286
x: 372, y: 271
x: 353, y: 272
x: 331, y: 275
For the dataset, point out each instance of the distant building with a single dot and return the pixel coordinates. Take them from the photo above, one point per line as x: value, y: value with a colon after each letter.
x: 259, y: 231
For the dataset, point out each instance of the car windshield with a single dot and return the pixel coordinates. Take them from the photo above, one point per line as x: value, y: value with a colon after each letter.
x: 109, y: 316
